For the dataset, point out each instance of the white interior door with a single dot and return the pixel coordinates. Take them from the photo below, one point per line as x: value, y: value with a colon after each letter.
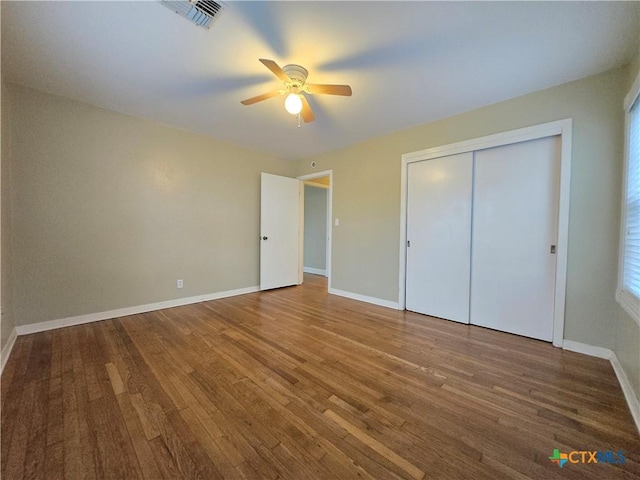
x: 439, y: 236
x: 280, y: 212
x: 515, y: 217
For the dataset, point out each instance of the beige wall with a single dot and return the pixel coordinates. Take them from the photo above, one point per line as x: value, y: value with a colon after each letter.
x: 627, y: 349
x: 366, y: 196
x: 315, y: 227
x: 110, y: 210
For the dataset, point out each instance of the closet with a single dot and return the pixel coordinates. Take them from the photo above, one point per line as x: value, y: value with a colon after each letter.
x: 482, y: 230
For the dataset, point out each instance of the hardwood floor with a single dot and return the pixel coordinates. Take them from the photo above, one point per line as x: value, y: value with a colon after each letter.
x: 298, y: 384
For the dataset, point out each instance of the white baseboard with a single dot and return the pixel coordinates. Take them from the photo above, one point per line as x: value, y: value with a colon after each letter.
x: 6, y: 350
x: 610, y: 355
x: 627, y: 389
x: 364, y: 298
x: 123, y: 312
x: 315, y: 271
x: 586, y: 349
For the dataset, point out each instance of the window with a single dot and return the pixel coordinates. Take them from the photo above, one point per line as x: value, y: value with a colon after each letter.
x: 628, y: 293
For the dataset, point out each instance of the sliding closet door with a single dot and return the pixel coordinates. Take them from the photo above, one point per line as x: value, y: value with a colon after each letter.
x: 515, y: 217
x: 439, y: 236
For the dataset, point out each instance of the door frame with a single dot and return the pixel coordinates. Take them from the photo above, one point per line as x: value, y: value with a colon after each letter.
x: 563, y: 128
x: 311, y: 176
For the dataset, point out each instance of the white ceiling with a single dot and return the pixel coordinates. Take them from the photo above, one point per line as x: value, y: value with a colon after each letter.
x: 408, y: 62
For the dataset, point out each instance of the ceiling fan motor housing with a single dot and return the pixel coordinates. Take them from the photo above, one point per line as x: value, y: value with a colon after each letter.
x: 297, y: 74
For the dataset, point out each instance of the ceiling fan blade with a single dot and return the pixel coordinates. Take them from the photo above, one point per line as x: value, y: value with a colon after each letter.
x: 275, y: 68
x: 306, y: 112
x: 260, y: 98
x: 344, y: 90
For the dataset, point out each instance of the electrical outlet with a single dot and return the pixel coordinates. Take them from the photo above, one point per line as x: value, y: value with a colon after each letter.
x: 180, y: 283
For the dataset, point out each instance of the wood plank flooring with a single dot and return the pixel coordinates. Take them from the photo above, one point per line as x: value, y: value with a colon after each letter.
x: 298, y: 384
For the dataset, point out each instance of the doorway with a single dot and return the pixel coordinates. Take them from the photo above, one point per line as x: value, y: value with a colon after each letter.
x: 316, y: 227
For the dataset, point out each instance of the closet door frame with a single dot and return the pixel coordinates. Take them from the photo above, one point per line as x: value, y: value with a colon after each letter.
x: 563, y: 128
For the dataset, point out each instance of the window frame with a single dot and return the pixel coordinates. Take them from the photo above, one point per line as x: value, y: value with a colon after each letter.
x: 628, y: 301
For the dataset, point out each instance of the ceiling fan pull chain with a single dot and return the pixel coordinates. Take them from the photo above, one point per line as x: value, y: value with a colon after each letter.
x: 298, y: 120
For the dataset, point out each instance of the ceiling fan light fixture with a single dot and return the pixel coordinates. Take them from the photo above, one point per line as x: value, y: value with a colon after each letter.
x: 293, y: 104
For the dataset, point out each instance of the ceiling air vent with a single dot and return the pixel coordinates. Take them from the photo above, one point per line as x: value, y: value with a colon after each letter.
x: 201, y: 12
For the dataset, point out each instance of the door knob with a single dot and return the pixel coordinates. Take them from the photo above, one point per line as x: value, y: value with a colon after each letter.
x: 265, y: 238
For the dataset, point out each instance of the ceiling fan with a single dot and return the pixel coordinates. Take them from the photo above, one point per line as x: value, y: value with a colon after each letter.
x: 294, y: 78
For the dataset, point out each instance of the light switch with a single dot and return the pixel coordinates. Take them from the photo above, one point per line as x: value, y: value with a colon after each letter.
x: 337, y: 222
